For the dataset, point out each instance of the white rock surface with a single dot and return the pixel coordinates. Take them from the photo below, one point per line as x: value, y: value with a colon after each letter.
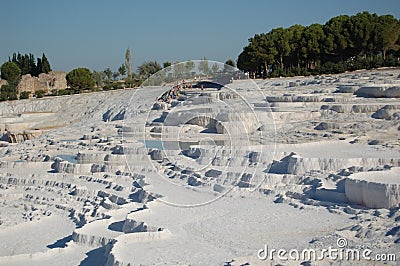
x: 375, y: 189
x: 207, y: 180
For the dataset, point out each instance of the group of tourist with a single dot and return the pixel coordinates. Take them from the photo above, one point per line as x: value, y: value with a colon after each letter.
x: 169, y: 95
x: 173, y: 93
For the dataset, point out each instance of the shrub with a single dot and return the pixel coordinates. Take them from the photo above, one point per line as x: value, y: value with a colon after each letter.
x: 108, y: 87
x: 60, y: 92
x: 8, y: 92
x: 39, y: 94
x: 112, y: 86
x: 24, y: 95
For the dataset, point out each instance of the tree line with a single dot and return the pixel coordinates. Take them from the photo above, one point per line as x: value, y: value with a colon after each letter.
x: 29, y: 65
x: 82, y: 79
x: 344, y: 43
x: 17, y: 66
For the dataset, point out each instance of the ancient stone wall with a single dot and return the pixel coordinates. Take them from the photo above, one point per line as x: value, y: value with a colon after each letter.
x: 54, y: 80
x: 29, y: 83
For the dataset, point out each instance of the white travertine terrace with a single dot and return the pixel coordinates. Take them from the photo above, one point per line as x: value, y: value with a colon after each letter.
x: 298, y: 163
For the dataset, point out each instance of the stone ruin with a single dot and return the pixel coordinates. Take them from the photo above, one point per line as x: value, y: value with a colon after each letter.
x: 54, y: 80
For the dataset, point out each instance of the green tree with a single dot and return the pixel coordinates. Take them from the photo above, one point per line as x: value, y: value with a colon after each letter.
x: 80, y: 79
x: 388, y: 34
x: 313, y: 37
x: 122, y: 70
x: 343, y: 43
x: 8, y: 92
x: 246, y: 61
x: 148, y: 68
x: 39, y: 94
x: 32, y: 64
x: 259, y: 56
x: 166, y: 64
x: 28, y: 65
x: 296, y: 32
x: 280, y: 39
x: 130, y: 82
x: 115, y: 75
x: 10, y: 72
x: 25, y: 62
x: 45, y: 64
x: 38, y: 68
x: 337, y: 44
x: 24, y: 95
x: 362, y: 31
x: 25, y: 66
x: 108, y: 73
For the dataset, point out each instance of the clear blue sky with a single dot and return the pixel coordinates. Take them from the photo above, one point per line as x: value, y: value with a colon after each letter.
x: 96, y: 33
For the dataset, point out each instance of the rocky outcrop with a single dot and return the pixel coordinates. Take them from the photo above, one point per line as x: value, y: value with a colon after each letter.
x: 87, y: 158
x: 60, y: 166
x: 387, y: 112
x: 327, y: 126
x: 93, y: 240
x: 379, y: 91
x: 297, y: 165
x: 347, y: 88
x: 293, y: 98
x: 117, y: 256
x: 132, y: 226
x: 21, y: 136
x: 374, y: 189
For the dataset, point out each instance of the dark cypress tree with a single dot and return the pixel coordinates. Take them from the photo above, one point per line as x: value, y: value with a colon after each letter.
x: 25, y: 64
x: 39, y: 67
x: 32, y: 64
x: 45, y: 65
x: 19, y: 60
x: 14, y: 58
